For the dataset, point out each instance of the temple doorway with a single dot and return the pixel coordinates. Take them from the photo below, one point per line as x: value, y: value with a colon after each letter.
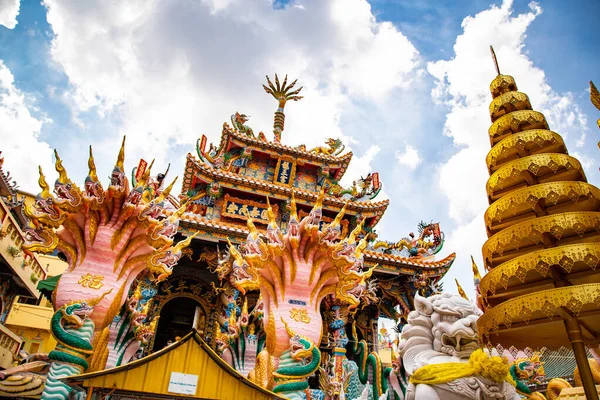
x: 177, y: 318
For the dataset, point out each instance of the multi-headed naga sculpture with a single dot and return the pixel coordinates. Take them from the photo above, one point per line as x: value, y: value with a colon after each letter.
x: 108, y: 236
x: 294, y: 272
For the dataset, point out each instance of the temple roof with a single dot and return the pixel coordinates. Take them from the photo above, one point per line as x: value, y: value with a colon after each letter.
x: 387, y: 262
x: 194, y: 166
x: 280, y: 149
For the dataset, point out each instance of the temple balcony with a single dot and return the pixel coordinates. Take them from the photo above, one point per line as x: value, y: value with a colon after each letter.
x: 26, y: 272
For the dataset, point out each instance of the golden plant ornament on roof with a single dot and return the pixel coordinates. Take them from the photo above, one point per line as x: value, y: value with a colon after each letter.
x: 283, y: 93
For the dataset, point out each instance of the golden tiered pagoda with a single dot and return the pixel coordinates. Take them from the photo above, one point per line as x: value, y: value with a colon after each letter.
x: 542, y: 288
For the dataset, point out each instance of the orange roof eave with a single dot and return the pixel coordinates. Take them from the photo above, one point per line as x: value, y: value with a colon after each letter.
x: 193, y: 165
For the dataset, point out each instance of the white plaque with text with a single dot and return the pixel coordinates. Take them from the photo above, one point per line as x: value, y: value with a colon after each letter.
x: 183, y: 383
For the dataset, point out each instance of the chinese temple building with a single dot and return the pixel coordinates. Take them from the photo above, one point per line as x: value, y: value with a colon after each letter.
x: 233, y: 181
x: 272, y: 264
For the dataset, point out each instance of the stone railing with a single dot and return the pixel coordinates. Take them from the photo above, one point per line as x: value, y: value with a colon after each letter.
x: 29, y: 269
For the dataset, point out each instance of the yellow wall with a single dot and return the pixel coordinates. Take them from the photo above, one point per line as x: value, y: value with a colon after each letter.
x: 31, y: 336
x: 32, y: 324
x: 54, y: 266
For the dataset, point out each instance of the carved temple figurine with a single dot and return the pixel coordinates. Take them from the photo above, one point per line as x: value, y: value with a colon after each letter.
x: 441, y: 353
x: 294, y: 273
x: 108, y: 236
x: 419, y: 246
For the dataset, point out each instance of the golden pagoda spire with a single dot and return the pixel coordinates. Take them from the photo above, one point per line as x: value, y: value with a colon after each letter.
x: 460, y: 290
x: 542, y: 226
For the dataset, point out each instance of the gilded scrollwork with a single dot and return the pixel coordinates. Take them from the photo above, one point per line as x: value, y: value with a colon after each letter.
x: 516, y: 121
x: 509, y: 100
x: 526, y: 140
x: 542, y: 303
x: 530, y: 232
x: 529, y: 197
x: 540, y: 262
x: 502, y: 84
x: 535, y: 164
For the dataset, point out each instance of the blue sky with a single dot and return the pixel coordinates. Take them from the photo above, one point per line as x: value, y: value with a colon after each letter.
x: 403, y: 83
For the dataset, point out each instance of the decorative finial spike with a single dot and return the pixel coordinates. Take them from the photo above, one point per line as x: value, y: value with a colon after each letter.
x: 121, y: 158
x: 476, y: 274
x: 282, y: 93
x: 43, y: 184
x: 460, y: 290
x: 92, y: 166
x: 495, y: 59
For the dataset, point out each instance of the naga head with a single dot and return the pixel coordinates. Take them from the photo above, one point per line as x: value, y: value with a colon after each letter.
x: 293, y: 226
x: 145, y: 332
x: 168, y: 227
x: 117, y: 179
x: 333, y: 231
x: 254, y: 245
x: 67, y: 193
x: 353, y: 287
x: 243, y: 275
x: 76, y: 312
x: 530, y: 370
x: 162, y: 261
x: 314, y: 217
x: 274, y: 235
x: 93, y: 188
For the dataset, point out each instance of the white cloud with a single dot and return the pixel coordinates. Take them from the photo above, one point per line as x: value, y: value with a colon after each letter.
x: 409, y: 158
x: 462, y: 84
x: 19, y: 135
x: 170, y: 73
x: 9, y: 10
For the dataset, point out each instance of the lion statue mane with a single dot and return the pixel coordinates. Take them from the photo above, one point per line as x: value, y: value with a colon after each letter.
x: 443, y: 329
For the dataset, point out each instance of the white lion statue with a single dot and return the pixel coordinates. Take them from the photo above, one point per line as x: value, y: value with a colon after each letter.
x: 442, y: 330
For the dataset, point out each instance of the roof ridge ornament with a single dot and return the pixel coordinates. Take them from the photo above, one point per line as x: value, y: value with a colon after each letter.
x: 495, y: 59
x: 283, y: 93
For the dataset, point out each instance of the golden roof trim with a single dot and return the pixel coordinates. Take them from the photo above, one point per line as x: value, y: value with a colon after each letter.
x: 378, y: 206
x: 532, y: 164
x: 376, y: 256
x: 530, y: 195
x: 522, y: 140
x: 514, y: 121
x: 541, y: 262
x: 555, y: 225
x: 546, y: 302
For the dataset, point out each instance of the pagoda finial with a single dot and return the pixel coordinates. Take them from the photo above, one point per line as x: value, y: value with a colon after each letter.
x: 460, y: 290
x: 495, y: 59
x: 92, y: 166
x: 283, y: 93
x: 476, y: 274
x: 121, y: 158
